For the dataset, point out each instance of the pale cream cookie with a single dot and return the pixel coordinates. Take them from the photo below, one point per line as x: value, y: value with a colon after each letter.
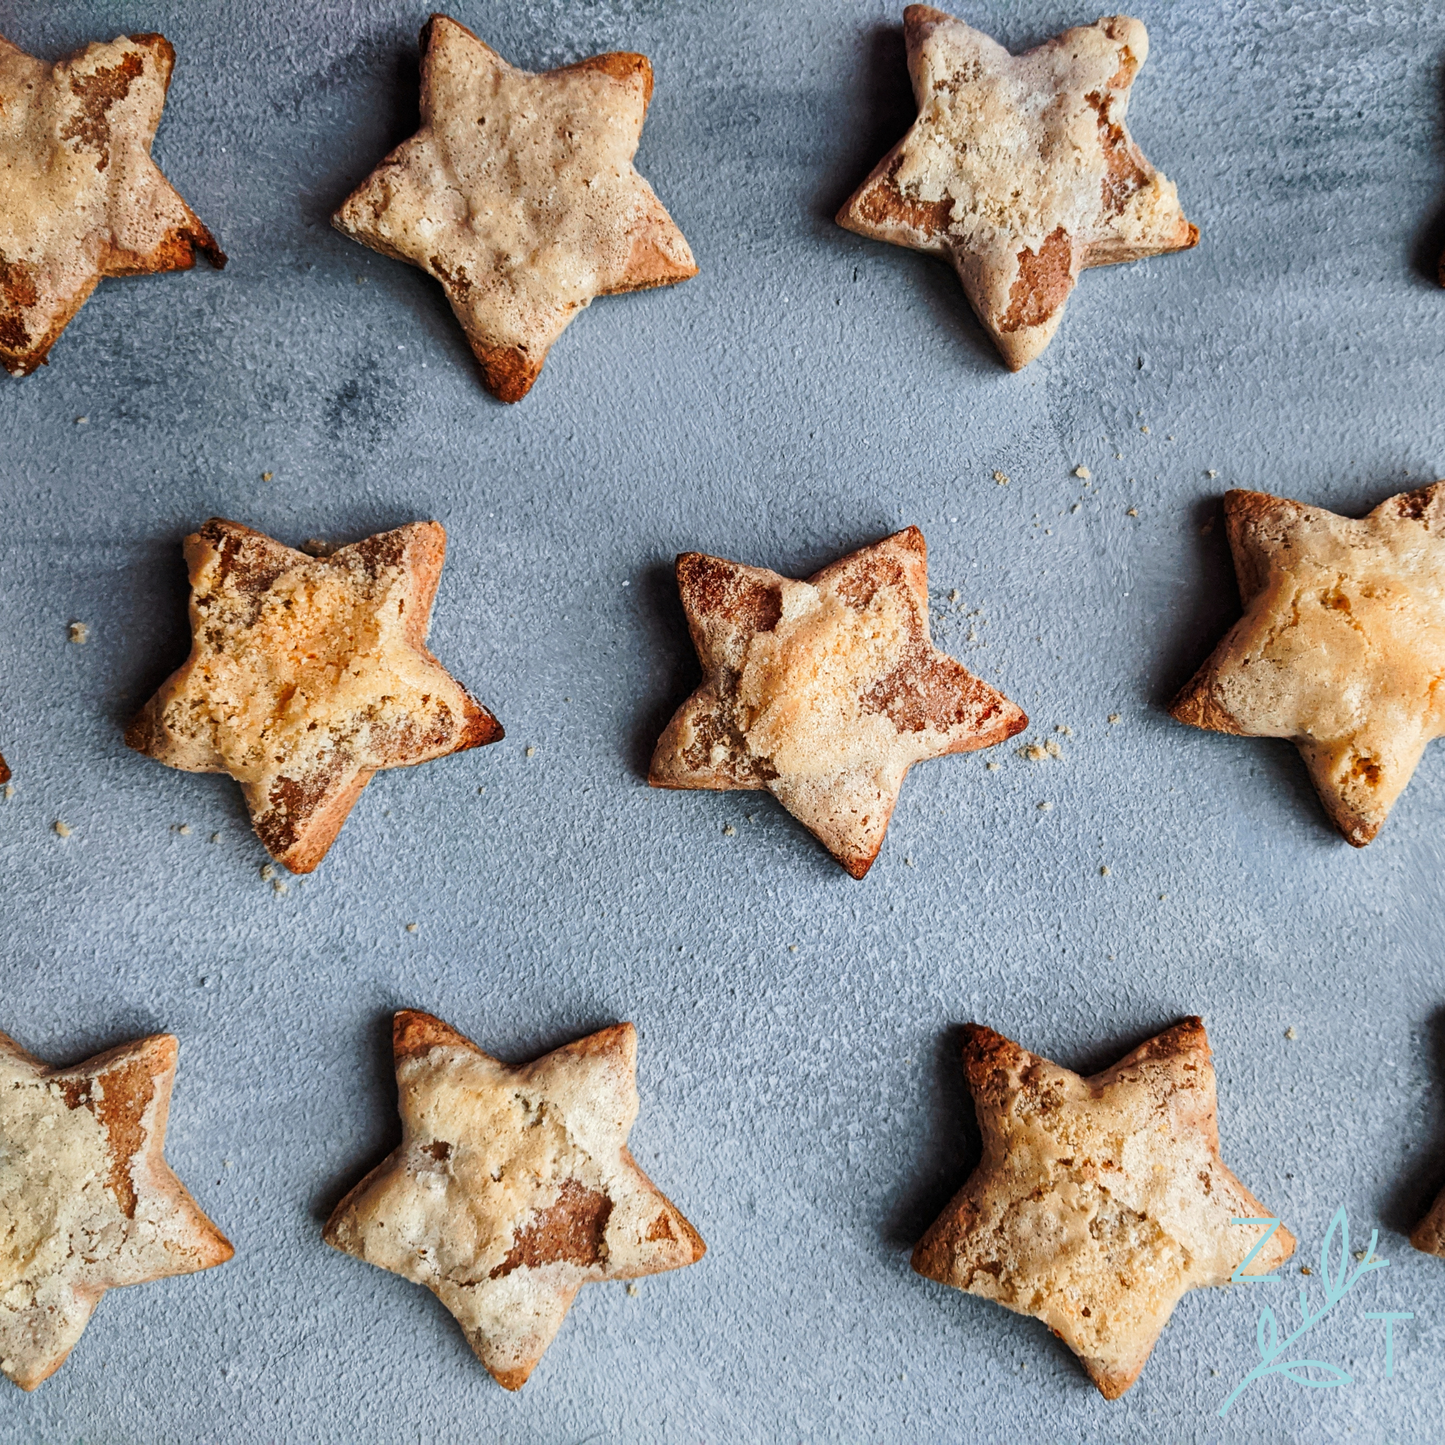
x: 308, y: 675
x: 87, y: 1200
x: 519, y: 195
x: 1098, y: 1202
x: 1019, y: 171
x: 512, y: 1187
x: 824, y: 692
x: 80, y: 196
x: 1341, y: 647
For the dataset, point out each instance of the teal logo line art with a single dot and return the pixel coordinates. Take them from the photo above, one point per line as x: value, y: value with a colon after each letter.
x: 1274, y: 1353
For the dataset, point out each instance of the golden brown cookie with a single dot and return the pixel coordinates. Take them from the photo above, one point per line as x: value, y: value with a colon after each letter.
x: 824, y: 692
x: 87, y: 1200
x: 1341, y: 647
x: 1098, y: 1202
x: 4, y: 771
x: 80, y: 196
x: 1429, y: 1234
x: 1019, y: 171
x: 519, y: 195
x: 512, y: 1187
x: 307, y: 675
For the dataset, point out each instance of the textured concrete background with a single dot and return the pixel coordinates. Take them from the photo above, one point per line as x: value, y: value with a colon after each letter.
x: 806, y: 393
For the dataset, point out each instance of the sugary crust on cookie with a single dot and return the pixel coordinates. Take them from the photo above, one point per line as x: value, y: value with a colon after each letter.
x: 519, y: 195
x: 1429, y: 1234
x: 1098, y: 1202
x: 80, y: 197
x: 1341, y: 647
x: 824, y: 692
x: 1019, y: 170
x: 307, y: 675
x: 87, y: 1201
x: 512, y: 1187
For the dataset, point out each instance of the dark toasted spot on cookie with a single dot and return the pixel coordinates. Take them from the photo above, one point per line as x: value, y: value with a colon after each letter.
x: 887, y: 202
x: 661, y: 1228
x: 292, y: 803
x: 17, y: 291
x: 99, y: 91
x: 1412, y: 506
x: 859, y: 584
x: 1123, y: 175
x: 125, y: 1093
x: 439, y: 1150
x: 1043, y: 284
x: 1366, y: 768
x: 712, y: 587
x: 572, y: 1231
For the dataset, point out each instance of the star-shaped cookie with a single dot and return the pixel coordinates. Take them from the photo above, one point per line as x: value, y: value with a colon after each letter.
x: 1019, y: 171
x: 1098, y: 1202
x: 307, y: 675
x: 1341, y: 647
x: 519, y: 195
x: 87, y: 1200
x: 824, y: 692
x: 80, y: 196
x: 512, y: 1187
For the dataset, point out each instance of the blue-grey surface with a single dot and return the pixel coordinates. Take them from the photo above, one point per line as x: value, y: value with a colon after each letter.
x: 806, y: 393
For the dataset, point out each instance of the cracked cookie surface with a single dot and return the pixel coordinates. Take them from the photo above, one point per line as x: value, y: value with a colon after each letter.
x: 512, y: 1188
x: 1099, y: 1202
x: 1341, y: 648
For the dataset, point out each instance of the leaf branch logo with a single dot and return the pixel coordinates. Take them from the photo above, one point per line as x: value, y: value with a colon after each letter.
x: 1339, y: 1280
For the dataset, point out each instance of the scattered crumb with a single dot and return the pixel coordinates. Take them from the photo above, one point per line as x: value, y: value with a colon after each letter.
x: 1103, y: 870
x: 1076, y: 506
x: 632, y: 1289
x: 1000, y: 479
x: 1083, y: 472
x: 1211, y: 473
x: 1132, y: 512
x: 1362, y: 1255
x: 1046, y: 807
x: 1289, y: 1033
x: 1305, y: 1269
x: 1118, y: 456
x: 750, y: 817
x: 184, y: 830
x: 992, y: 767
x: 908, y: 862
x: 953, y: 596
x: 730, y: 831
x: 1145, y: 430
x: 81, y: 420
x: 61, y: 831
x: 279, y: 885
x: 225, y: 1163
x: 265, y: 476
x: 482, y: 789
x: 1048, y: 531
x: 316, y: 547
x: 268, y: 872
x: 79, y: 632
x: 792, y: 948
x: 411, y: 927
x: 1163, y: 896
x: 1170, y: 437
x: 531, y: 752
x: 1064, y: 728
x: 1036, y: 752
x: 9, y: 791
x: 1116, y: 717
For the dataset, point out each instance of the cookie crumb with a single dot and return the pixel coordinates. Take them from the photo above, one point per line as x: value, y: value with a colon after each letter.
x: 1103, y: 870
x: 1145, y: 430
x: 79, y: 632
x: 279, y: 886
x: 1211, y: 473
x: 792, y: 948
x: 184, y: 830
x: 268, y: 872
x: 908, y: 862
x: 1064, y: 728
x: 9, y: 791
x: 1115, y: 717
x: 632, y: 1289
x: 953, y: 595
x: 265, y: 476
x: 1001, y: 479
x: 482, y: 789
x: 1076, y: 506
x: 1118, y: 456
x: 993, y: 767
x: 215, y: 837
x: 1289, y: 1033
x: 81, y: 420
x: 730, y: 832
x: 1046, y: 807
x: 411, y: 927
x: 61, y: 831
x: 1083, y: 473
x: 1132, y: 512
x: 1305, y: 1269
x: 1163, y: 896
x: 531, y: 752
